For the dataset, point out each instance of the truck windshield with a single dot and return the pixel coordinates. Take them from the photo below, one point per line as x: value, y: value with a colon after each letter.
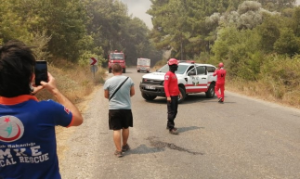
x: 181, y: 69
x: 116, y: 56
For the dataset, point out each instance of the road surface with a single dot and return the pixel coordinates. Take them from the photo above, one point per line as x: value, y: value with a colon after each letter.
x: 243, y: 138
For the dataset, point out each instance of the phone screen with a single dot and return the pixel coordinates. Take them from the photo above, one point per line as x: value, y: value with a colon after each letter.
x: 41, y: 73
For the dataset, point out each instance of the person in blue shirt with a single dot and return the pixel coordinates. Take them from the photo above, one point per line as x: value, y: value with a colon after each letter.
x: 27, y: 125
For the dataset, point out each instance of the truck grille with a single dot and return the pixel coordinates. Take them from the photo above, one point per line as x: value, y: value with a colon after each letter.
x: 153, y: 82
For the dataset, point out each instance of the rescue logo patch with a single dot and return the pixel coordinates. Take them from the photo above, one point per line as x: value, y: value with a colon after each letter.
x: 11, y: 128
x: 67, y: 110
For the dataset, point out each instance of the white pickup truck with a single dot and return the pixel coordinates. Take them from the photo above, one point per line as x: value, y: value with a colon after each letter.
x: 143, y: 64
x: 192, y: 78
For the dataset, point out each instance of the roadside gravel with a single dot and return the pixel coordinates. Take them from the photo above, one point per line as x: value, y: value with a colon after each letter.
x: 77, y: 145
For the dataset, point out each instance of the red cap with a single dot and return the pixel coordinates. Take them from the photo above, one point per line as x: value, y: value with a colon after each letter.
x: 173, y: 61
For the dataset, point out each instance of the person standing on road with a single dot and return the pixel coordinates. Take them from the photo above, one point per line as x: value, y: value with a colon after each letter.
x: 27, y: 126
x: 118, y: 89
x: 220, y: 84
x: 172, y: 92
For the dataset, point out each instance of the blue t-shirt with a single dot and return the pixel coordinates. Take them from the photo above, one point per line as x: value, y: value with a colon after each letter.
x: 27, y: 137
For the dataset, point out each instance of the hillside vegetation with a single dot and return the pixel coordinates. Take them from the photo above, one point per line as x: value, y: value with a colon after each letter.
x: 258, y: 41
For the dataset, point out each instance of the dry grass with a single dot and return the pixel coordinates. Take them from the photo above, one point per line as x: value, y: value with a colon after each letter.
x: 266, y: 90
x: 74, y: 81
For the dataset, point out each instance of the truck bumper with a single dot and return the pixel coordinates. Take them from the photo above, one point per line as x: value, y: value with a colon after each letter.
x: 155, y: 90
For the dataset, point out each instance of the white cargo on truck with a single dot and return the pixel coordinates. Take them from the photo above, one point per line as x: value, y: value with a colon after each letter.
x: 143, y: 64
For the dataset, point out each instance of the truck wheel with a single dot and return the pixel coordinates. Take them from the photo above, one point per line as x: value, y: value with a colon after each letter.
x: 124, y: 70
x: 148, y: 97
x: 211, y: 91
x: 109, y: 70
x: 183, y: 93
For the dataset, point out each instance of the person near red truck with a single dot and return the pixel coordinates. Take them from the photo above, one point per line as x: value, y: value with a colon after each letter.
x: 172, y: 92
x: 220, y: 84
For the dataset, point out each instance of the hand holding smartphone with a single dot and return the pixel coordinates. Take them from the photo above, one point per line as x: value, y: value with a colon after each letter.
x: 41, y: 72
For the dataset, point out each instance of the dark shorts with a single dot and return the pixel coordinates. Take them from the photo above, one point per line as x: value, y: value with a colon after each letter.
x: 120, y: 119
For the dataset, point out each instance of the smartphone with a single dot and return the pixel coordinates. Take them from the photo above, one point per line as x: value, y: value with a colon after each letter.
x: 41, y: 72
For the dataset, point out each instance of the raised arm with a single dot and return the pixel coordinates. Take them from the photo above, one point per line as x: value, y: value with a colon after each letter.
x: 51, y: 87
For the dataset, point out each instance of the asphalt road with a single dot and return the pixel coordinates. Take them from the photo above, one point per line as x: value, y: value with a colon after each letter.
x: 243, y: 138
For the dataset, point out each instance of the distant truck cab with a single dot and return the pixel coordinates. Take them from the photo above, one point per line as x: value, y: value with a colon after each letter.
x: 143, y: 64
x: 116, y: 57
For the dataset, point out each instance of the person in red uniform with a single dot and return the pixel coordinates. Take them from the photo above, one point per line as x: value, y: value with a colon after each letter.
x: 172, y: 92
x: 220, y: 85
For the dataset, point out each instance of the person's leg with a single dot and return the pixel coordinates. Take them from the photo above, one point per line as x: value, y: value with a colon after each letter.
x: 175, y: 106
x: 170, y: 123
x: 222, y: 92
x: 217, y: 87
x: 172, y: 112
x: 125, y: 135
x: 117, y: 139
x: 115, y: 125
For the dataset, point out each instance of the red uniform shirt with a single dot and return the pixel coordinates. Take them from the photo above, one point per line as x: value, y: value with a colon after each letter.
x: 221, y: 74
x: 171, y: 84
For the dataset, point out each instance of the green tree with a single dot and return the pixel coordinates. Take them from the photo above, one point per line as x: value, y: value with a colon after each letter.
x: 287, y: 43
x: 269, y: 32
x: 296, y: 21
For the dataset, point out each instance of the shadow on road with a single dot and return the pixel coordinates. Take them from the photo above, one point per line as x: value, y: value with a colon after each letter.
x: 160, y: 146
x: 143, y: 149
x: 185, y: 129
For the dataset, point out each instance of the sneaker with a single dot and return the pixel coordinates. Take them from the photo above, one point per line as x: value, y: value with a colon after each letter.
x: 220, y: 99
x: 125, y: 148
x: 173, y: 131
x: 118, y: 154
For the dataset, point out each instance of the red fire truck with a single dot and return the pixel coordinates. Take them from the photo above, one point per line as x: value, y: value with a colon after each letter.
x: 116, y: 57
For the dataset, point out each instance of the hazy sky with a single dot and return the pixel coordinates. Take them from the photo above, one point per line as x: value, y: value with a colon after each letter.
x: 138, y: 9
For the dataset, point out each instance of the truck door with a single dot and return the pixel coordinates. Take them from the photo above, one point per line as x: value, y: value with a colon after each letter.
x: 202, y: 78
x: 192, y: 82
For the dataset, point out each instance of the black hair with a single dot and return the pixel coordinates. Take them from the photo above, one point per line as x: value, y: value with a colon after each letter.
x: 17, y: 63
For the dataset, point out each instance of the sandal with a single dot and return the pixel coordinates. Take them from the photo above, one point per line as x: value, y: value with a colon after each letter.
x: 118, y: 154
x: 125, y: 148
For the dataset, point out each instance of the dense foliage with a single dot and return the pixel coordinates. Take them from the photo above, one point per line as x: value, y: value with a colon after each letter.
x: 190, y: 28
x: 76, y: 30
x: 259, y: 41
